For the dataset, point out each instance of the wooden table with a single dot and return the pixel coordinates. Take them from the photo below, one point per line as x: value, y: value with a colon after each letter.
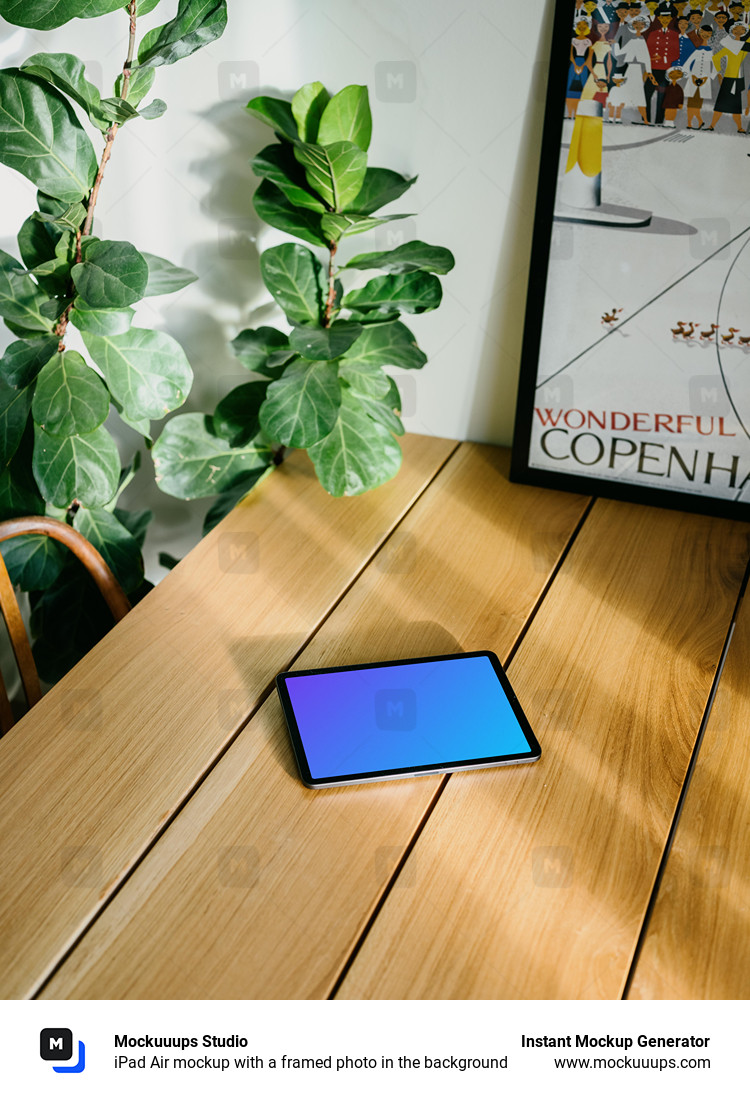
x: 157, y: 842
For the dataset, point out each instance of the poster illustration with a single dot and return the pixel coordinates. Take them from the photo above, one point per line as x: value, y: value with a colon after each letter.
x: 635, y: 379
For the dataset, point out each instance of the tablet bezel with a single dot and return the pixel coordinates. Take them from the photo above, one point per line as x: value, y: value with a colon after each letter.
x: 442, y: 768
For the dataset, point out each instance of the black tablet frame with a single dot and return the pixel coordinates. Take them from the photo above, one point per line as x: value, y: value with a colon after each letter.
x: 318, y: 782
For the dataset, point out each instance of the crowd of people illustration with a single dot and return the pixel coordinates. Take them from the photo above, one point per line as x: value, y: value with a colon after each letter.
x: 661, y: 64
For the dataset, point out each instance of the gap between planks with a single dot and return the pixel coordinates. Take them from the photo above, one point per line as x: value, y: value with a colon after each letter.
x: 694, y: 759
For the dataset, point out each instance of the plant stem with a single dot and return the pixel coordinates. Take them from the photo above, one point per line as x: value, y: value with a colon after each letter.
x: 112, y: 131
x: 110, y: 136
x: 332, y: 247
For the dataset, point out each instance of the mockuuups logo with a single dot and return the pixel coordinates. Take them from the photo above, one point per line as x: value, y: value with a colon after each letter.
x: 56, y: 1045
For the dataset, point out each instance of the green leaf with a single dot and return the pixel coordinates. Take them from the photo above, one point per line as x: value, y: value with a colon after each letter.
x: 236, y: 416
x: 141, y: 425
x: 42, y: 139
x: 143, y: 7
x: 307, y: 107
x: 314, y: 342
x: 301, y: 407
x: 139, y: 86
x: 374, y: 319
x: 412, y: 256
x: 275, y: 208
x: 102, y: 322
x: 376, y: 394
x: 66, y: 72
x: 91, y: 8
x: 70, y: 398
x: 295, y: 278
x: 335, y: 226
x: 86, y: 243
x: 384, y: 409
x: 76, y: 467
x: 23, y: 359
x: 48, y: 205
x: 382, y: 413
x: 226, y: 501
x: 254, y: 346
x: 48, y: 250
x: 19, y: 494
x: 347, y: 118
x: 54, y: 273
x: 390, y: 345
x: 380, y: 187
x: 115, y: 110
x: 366, y: 379
x: 114, y: 542
x: 147, y: 372
x: 415, y: 292
x: 112, y: 274
x: 168, y: 561
x: 277, y: 363
x: 277, y: 163
x: 336, y: 172
x: 53, y: 308
x: 36, y: 241
x: 14, y: 412
x: 276, y: 113
x: 44, y: 15
x: 154, y: 109
x: 394, y: 396
x: 357, y: 455
x: 165, y: 277
x: 34, y: 561
x: 136, y: 522
x: 49, y: 268
x: 20, y: 298
x: 192, y: 461
x: 196, y: 24
x: 68, y: 219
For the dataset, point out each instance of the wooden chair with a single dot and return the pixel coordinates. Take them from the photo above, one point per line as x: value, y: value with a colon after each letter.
x: 100, y: 572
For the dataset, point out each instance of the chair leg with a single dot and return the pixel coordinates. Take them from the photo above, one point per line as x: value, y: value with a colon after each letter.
x: 19, y: 638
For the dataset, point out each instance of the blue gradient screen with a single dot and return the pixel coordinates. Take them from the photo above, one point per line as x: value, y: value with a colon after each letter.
x: 404, y: 716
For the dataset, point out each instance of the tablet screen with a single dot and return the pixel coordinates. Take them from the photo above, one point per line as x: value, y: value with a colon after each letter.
x: 404, y: 717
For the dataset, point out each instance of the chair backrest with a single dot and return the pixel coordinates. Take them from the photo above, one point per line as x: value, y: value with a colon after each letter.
x: 102, y: 575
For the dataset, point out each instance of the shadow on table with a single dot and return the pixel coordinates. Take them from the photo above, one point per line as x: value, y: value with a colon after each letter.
x: 407, y: 639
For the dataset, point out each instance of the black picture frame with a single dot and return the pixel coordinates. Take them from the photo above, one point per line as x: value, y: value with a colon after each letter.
x: 697, y: 495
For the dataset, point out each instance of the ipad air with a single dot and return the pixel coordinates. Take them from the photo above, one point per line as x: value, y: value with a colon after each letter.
x: 392, y: 719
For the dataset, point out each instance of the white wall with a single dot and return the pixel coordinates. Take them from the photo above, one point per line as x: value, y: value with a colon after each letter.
x: 467, y: 117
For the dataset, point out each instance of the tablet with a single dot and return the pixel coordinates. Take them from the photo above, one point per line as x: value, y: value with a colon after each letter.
x: 392, y: 719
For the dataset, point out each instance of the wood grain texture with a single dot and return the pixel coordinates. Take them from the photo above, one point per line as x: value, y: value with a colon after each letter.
x: 89, y: 777
x: 261, y: 887
x: 533, y: 882
x: 697, y: 945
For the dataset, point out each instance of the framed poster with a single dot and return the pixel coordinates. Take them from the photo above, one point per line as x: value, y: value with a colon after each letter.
x: 635, y: 373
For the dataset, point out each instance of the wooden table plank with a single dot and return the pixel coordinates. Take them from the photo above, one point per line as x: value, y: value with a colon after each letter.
x: 532, y: 883
x: 262, y: 887
x: 91, y: 775
x: 698, y: 940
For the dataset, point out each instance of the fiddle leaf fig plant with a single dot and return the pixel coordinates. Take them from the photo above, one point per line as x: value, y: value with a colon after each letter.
x: 324, y: 384
x: 57, y: 456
